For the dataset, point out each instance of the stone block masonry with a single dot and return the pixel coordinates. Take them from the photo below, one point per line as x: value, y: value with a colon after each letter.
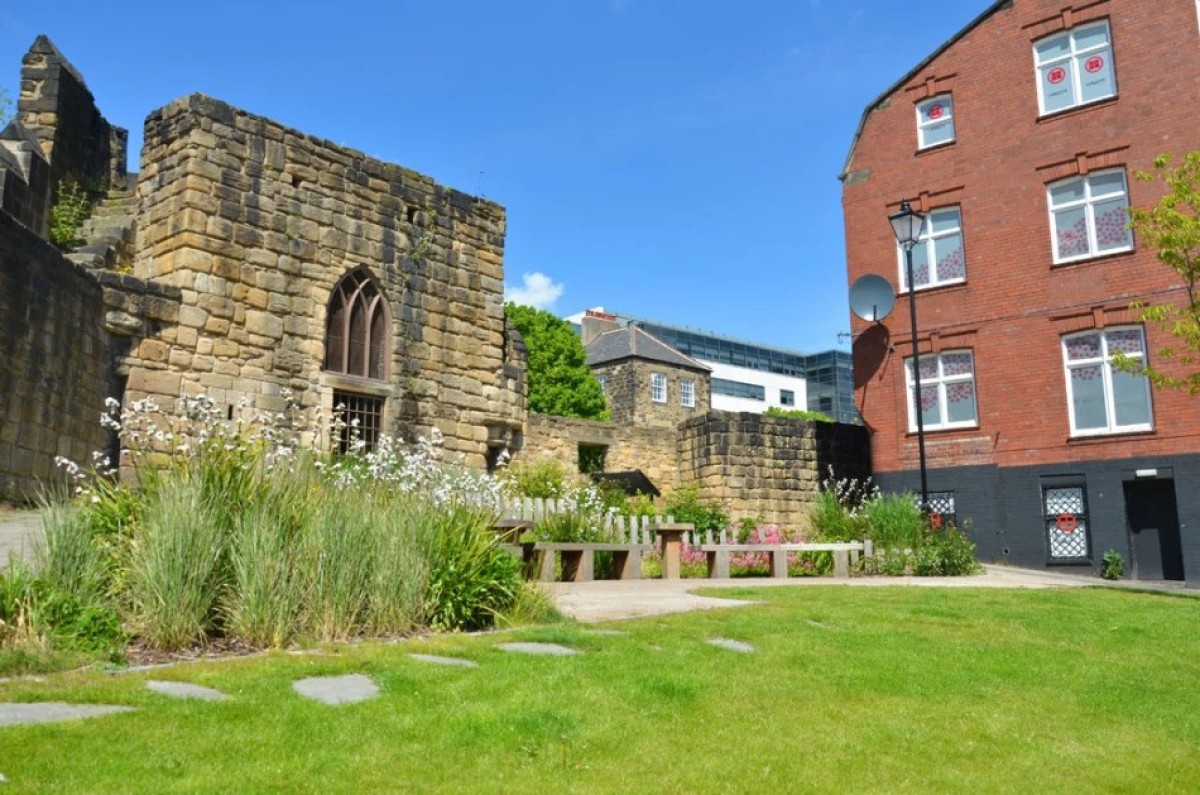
x: 255, y: 223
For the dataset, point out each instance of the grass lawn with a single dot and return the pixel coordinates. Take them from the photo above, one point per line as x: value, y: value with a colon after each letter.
x: 851, y: 690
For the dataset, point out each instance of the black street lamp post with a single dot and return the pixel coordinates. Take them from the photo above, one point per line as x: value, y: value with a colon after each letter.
x: 908, y: 225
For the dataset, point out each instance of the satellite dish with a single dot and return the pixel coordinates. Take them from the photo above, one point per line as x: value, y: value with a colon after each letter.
x: 872, y: 297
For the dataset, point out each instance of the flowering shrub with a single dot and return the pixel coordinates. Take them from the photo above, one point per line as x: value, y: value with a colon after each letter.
x: 237, y: 529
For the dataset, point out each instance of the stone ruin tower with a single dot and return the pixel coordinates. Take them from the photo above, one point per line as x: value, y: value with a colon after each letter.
x: 245, y: 258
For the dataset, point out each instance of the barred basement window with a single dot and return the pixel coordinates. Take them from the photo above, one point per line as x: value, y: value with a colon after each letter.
x: 1065, y: 512
x: 942, y: 504
x: 362, y: 416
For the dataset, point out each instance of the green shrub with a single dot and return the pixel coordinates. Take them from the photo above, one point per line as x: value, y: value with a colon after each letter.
x: 894, y: 520
x: 834, y: 521
x: 471, y: 579
x: 1112, y: 565
x: 544, y: 478
x: 72, y: 206
x: 798, y: 414
x: 685, y: 505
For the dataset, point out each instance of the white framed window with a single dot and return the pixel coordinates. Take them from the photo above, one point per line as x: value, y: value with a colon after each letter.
x: 1100, y: 398
x: 658, y: 387
x: 687, y: 393
x: 603, y: 379
x: 935, y: 121
x: 787, y: 397
x: 1089, y: 216
x: 1074, y: 68
x: 947, y: 391
x: 938, y: 256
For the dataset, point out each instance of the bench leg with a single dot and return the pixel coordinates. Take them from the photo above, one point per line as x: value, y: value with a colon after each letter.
x: 578, y: 565
x: 627, y: 565
x: 778, y: 563
x: 841, y: 564
x: 545, y: 560
x: 718, y: 565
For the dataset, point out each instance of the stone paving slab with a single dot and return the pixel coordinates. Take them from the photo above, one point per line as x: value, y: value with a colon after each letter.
x: 52, y: 711
x: 334, y: 690
x: 552, y: 649
x: 186, y: 690
x: 439, y: 660
x: 732, y: 645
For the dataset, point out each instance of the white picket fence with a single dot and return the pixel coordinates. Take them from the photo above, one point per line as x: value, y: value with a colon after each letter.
x: 622, y: 529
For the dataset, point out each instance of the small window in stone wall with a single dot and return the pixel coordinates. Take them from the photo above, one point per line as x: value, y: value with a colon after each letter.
x: 658, y: 387
x: 360, y: 420
x: 687, y: 393
x: 603, y: 379
x: 591, y: 458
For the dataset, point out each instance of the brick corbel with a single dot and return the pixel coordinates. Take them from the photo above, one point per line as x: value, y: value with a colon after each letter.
x: 1067, y: 18
x: 1083, y: 163
x: 930, y: 86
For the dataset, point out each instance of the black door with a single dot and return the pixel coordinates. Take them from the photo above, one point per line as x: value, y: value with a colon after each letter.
x: 1153, y: 529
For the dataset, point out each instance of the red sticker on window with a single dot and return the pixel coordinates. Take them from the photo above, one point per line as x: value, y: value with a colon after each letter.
x: 1094, y: 64
x: 1056, y: 75
x: 936, y: 112
x: 1067, y: 523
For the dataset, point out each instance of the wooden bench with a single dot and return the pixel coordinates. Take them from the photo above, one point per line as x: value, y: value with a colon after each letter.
x: 579, y: 559
x: 718, y: 556
x: 509, y: 531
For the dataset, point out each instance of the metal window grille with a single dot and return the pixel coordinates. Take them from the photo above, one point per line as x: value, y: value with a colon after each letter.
x: 1065, y: 509
x: 942, y: 503
x: 362, y: 416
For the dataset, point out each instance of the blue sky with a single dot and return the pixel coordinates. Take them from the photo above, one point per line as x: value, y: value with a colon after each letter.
x: 674, y: 159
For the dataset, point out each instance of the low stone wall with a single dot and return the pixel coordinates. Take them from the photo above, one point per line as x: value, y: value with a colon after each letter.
x: 754, y: 465
x: 652, y: 450
x: 768, y: 467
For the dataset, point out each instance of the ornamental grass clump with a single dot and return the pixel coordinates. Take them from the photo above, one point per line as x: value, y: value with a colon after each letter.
x: 237, y: 532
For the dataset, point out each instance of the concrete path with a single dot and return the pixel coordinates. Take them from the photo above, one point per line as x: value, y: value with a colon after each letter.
x: 607, y: 600
x: 19, y: 531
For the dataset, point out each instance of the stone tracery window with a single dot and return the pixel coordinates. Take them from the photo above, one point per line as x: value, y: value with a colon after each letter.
x: 356, y: 337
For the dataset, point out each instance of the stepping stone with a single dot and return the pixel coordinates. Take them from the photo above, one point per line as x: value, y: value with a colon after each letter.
x: 732, y: 645
x: 436, y: 660
x: 552, y: 649
x: 185, y: 690
x: 51, y: 711
x: 3, y: 780
x: 337, y: 689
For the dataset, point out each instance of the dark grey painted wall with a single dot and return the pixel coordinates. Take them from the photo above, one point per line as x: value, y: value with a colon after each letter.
x: 1004, y: 506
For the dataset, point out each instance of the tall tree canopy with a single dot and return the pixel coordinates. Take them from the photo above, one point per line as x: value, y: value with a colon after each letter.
x: 558, y: 377
x: 1172, y: 228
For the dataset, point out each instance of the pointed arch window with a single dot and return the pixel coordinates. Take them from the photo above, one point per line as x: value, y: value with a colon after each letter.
x: 356, y: 338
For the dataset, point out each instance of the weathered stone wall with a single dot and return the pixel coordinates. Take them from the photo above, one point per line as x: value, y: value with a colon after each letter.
x: 767, y: 467
x: 24, y: 178
x: 652, y: 450
x: 627, y: 393
x: 54, y: 371
x: 255, y: 223
x: 57, y: 110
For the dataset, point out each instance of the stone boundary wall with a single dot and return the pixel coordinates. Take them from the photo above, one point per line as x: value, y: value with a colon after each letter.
x: 752, y: 464
x: 54, y: 374
x: 255, y: 223
x: 652, y: 450
x: 768, y: 467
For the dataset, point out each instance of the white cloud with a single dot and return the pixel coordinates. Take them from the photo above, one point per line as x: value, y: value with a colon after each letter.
x: 539, y: 291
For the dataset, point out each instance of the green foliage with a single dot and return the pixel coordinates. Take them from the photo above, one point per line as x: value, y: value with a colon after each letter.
x: 948, y: 552
x: 834, y: 521
x: 798, y: 414
x: 471, y: 579
x: 895, y: 521
x: 1172, y: 229
x: 72, y: 206
x: 685, y: 505
x: 544, y: 478
x: 558, y: 377
x: 1112, y: 565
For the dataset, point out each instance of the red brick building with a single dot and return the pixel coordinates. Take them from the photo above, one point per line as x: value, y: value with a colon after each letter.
x: 1019, y: 139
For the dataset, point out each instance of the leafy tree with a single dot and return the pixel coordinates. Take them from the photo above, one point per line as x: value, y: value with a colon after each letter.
x: 559, y: 380
x: 1172, y: 228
